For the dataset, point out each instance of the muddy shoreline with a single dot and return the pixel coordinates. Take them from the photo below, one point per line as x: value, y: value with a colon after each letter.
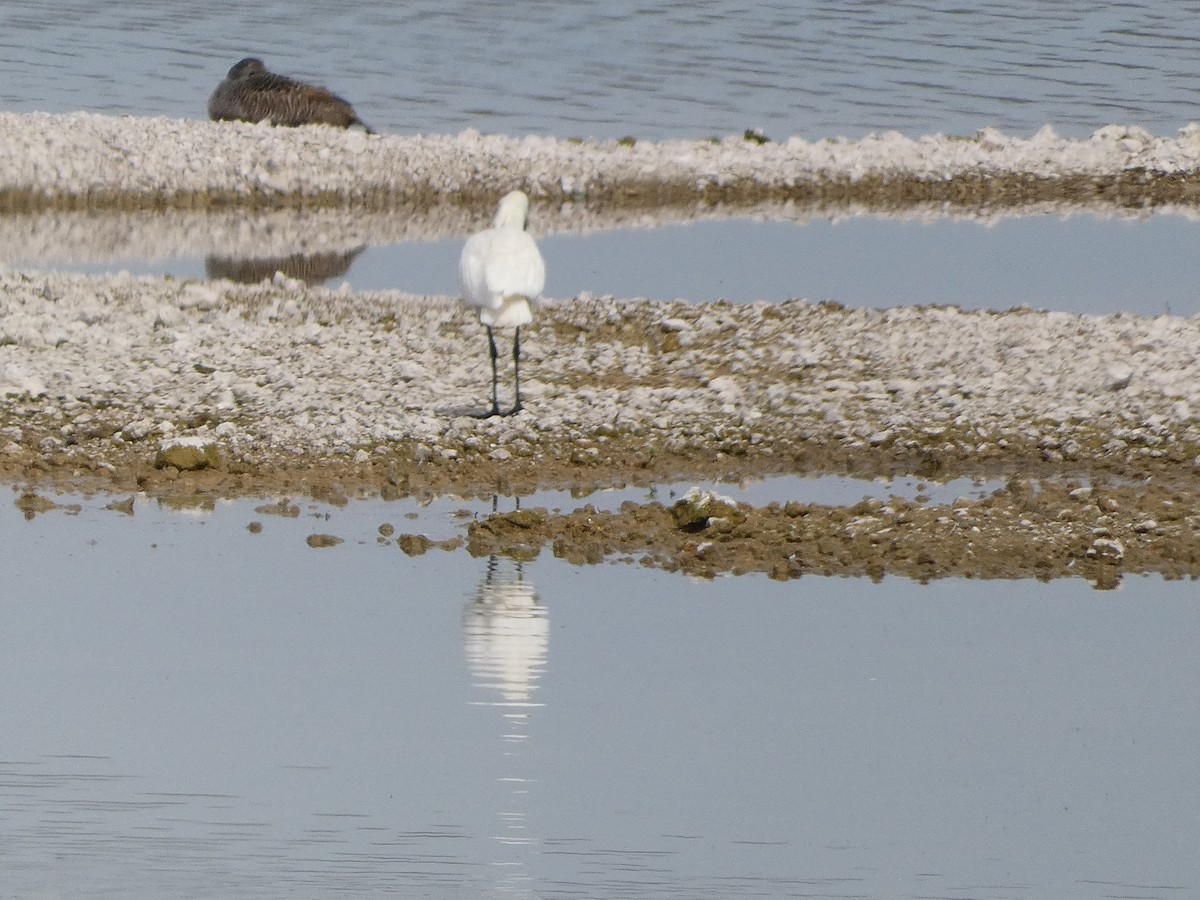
x: 1100, y: 527
x: 1028, y: 529
x: 184, y: 393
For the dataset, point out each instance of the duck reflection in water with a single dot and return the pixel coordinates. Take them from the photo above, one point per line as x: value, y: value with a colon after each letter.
x: 250, y: 93
x: 312, y: 268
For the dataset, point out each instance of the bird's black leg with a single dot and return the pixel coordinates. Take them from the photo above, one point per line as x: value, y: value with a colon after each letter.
x: 492, y: 351
x: 495, y: 410
x: 517, y: 370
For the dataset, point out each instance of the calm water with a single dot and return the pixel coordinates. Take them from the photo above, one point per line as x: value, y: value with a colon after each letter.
x: 195, y: 711
x: 1081, y: 264
x: 678, y: 68
x: 182, y: 721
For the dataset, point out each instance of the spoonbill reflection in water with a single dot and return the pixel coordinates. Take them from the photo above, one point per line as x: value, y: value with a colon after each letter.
x: 502, y: 273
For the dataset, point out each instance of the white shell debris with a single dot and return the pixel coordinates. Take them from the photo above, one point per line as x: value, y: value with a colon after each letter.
x: 77, y: 154
x: 309, y: 371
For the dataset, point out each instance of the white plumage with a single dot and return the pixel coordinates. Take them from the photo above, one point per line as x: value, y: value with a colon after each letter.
x: 502, y: 273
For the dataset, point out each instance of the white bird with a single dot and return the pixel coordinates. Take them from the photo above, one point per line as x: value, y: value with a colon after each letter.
x: 502, y: 273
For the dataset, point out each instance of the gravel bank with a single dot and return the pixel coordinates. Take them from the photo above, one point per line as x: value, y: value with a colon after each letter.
x: 83, y: 160
x: 100, y: 370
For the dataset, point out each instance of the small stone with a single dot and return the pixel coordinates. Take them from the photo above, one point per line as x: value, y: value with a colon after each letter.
x: 1119, y: 376
x: 414, y: 544
x: 31, y: 504
x: 1107, y: 548
x: 122, y: 506
x: 186, y: 454
x: 585, y: 456
x: 524, y: 518
x: 137, y: 430
x: 698, y: 510
x: 322, y: 540
x: 282, y: 508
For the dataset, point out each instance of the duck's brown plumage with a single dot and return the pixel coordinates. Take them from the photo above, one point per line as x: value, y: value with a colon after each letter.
x: 250, y: 93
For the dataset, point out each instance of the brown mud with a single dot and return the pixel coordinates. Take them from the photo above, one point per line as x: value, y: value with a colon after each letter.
x: 1025, y: 530
x: 1129, y: 190
x: 1099, y: 527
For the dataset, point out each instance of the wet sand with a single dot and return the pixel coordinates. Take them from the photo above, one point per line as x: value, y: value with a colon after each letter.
x: 194, y: 390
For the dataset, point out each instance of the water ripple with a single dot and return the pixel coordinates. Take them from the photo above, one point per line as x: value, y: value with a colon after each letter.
x: 677, y: 69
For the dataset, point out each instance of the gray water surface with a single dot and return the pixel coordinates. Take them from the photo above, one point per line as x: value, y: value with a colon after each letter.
x: 193, y: 710
x: 675, y: 68
x: 1081, y: 264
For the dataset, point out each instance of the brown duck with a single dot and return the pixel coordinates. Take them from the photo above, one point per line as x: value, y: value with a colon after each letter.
x: 250, y: 93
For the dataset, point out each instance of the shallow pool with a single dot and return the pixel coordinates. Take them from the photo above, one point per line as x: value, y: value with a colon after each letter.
x: 1081, y: 263
x: 196, y: 710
